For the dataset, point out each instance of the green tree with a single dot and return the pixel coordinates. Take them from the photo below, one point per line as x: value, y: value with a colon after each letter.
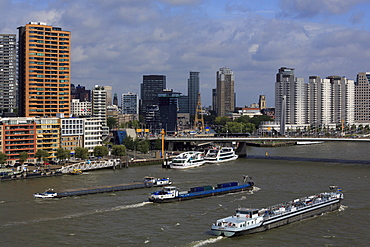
x: 256, y: 120
x: 100, y: 151
x: 63, y: 154
x: 143, y: 146
x: 158, y: 144
x: 243, y: 119
x: 42, y: 155
x: 23, y: 156
x: 128, y: 142
x: 222, y: 120
x: 82, y: 153
x: 3, y: 158
x: 119, y: 150
x: 111, y: 122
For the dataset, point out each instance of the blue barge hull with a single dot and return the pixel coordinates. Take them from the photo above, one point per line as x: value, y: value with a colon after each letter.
x: 103, y: 189
x: 206, y: 193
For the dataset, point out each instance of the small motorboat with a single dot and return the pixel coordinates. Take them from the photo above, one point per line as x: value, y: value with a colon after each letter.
x: 49, y: 193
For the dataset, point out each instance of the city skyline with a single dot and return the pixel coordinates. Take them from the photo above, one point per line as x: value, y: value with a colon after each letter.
x: 132, y: 38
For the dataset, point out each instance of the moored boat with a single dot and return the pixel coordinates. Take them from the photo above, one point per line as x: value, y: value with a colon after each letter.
x: 219, y: 155
x: 187, y: 160
x: 247, y: 220
x: 49, y: 193
x: 171, y: 193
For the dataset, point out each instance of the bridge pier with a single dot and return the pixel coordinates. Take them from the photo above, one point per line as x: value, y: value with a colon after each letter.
x: 241, y: 150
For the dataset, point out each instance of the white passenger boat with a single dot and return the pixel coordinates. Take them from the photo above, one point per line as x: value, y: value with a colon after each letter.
x: 187, y: 160
x: 157, y: 181
x: 220, y: 155
x: 248, y: 220
x: 49, y: 193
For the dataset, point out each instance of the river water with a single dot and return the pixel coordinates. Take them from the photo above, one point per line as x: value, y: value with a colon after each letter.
x: 126, y: 218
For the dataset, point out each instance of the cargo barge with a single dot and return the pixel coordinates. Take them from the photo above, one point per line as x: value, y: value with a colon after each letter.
x: 171, y: 193
x: 247, y: 220
x: 148, y: 182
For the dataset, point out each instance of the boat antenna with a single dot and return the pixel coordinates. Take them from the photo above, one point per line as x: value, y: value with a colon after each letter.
x: 245, y: 177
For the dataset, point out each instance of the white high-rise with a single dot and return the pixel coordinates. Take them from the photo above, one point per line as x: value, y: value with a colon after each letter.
x: 321, y: 102
x: 295, y: 91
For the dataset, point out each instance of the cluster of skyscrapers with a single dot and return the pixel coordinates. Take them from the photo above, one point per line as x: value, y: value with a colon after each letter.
x: 41, y: 109
x: 322, y: 102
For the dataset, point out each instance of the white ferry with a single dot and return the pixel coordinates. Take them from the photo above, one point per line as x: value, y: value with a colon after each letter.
x: 187, y: 160
x: 248, y: 220
x: 49, y: 193
x: 219, y: 155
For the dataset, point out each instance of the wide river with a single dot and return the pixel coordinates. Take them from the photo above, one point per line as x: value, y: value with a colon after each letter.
x: 126, y: 218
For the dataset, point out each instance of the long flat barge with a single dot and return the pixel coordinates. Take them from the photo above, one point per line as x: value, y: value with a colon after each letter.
x: 147, y: 183
x: 171, y: 193
x: 247, y: 220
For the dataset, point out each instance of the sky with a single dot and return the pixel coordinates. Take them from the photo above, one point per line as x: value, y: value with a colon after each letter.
x: 116, y: 42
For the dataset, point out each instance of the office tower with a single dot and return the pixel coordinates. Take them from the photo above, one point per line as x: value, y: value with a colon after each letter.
x: 362, y: 96
x: 8, y: 72
x: 343, y: 100
x: 168, y: 105
x: 44, y: 70
x: 150, y: 88
x: 214, y: 100
x: 262, y: 102
x: 225, y: 92
x: 193, y: 90
x: 183, y: 104
x: 99, y: 104
x: 115, y: 99
x: 295, y: 90
x: 81, y: 93
x: 109, y: 94
x: 130, y: 104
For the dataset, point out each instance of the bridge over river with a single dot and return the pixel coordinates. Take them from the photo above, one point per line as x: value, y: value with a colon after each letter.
x: 194, y: 142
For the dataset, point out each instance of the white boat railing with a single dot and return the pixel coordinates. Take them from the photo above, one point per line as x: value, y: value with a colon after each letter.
x: 90, y: 165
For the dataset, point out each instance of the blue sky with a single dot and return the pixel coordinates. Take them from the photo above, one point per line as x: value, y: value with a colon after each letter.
x: 116, y: 42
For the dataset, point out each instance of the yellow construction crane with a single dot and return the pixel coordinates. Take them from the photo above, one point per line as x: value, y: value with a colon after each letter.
x: 198, y: 118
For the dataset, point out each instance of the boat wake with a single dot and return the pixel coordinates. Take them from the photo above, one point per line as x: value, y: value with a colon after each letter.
x: 205, y: 242
x: 78, y: 215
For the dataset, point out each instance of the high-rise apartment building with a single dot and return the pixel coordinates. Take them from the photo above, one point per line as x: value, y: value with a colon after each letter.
x: 193, y: 90
x: 99, y: 104
x: 319, y: 101
x: 295, y: 91
x: 8, y: 72
x: 44, y: 70
x: 130, y: 104
x: 225, y: 92
x: 150, y: 88
x: 362, y: 96
x: 343, y: 100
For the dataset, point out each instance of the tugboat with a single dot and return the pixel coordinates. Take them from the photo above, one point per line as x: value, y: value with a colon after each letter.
x: 171, y: 193
x: 219, y: 155
x: 187, y: 160
x: 247, y: 220
x: 49, y: 193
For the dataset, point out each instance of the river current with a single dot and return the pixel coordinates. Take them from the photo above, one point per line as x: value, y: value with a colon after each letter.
x: 126, y: 218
